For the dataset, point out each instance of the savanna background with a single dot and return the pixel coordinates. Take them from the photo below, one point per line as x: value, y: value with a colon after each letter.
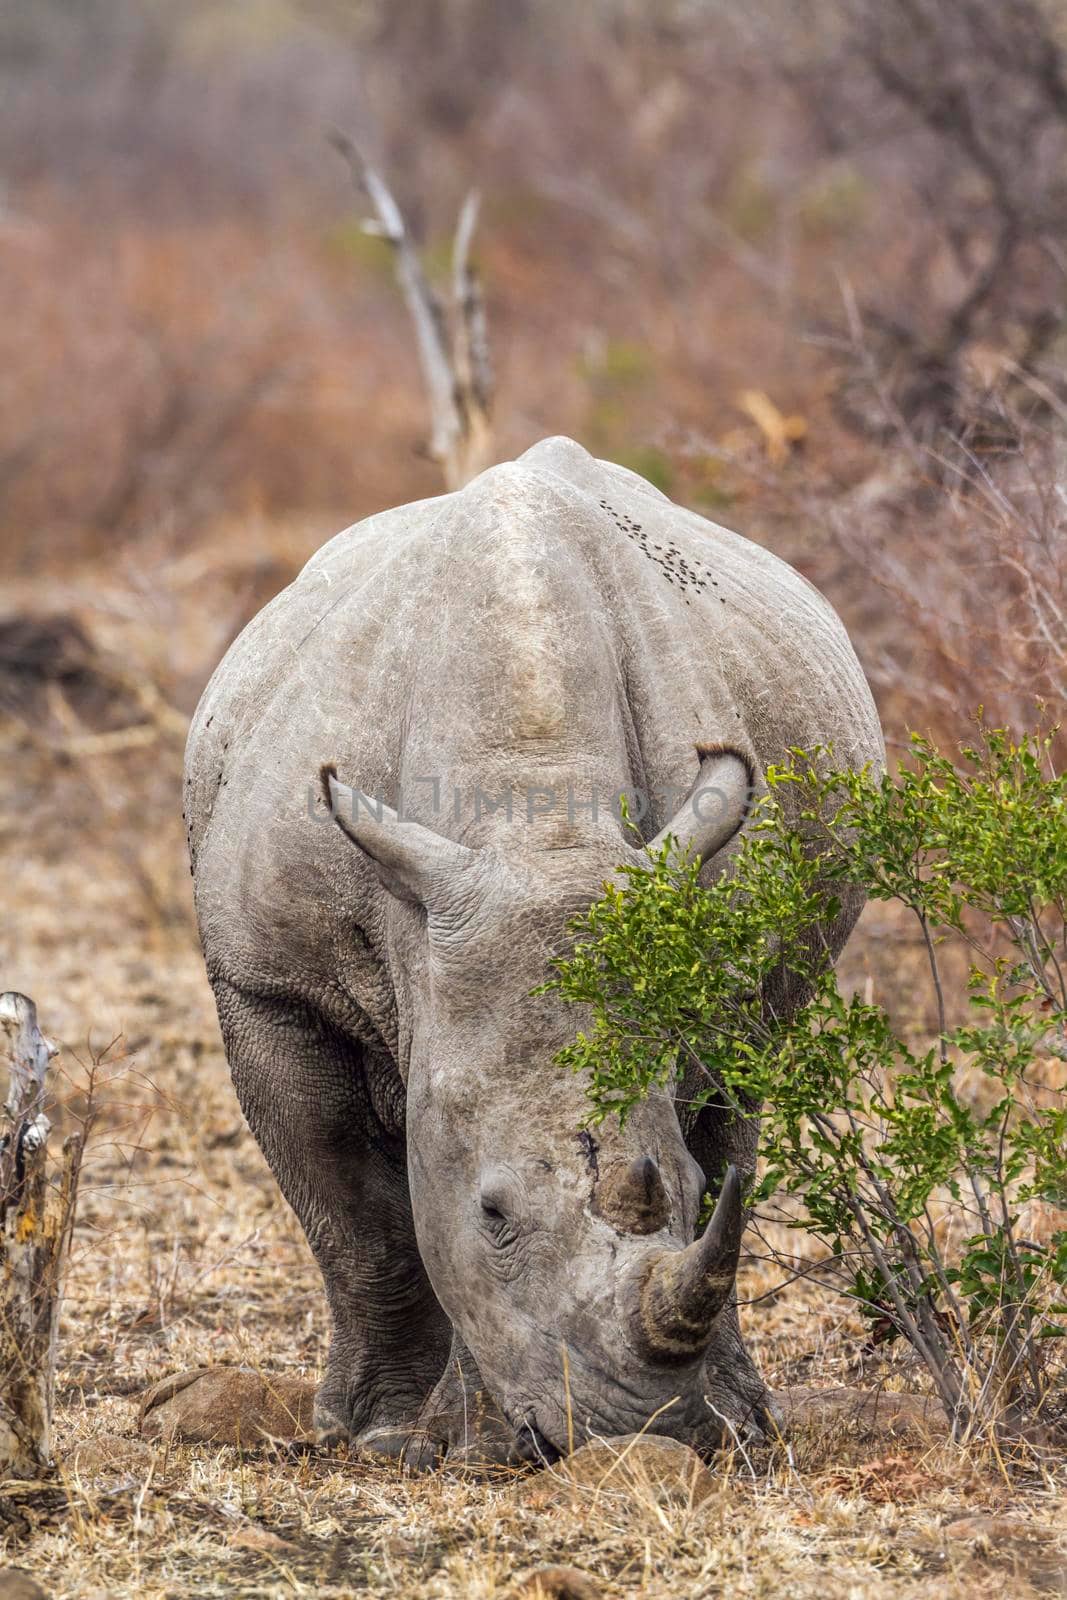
x: 802, y: 265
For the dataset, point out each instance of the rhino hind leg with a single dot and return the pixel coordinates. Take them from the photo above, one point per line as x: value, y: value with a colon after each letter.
x: 303, y: 1088
x: 740, y: 1407
x: 741, y: 1411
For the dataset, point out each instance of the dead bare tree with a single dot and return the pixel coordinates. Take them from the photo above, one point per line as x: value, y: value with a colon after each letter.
x: 962, y: 108
x: 453, y: 345
x: 36, y: 1217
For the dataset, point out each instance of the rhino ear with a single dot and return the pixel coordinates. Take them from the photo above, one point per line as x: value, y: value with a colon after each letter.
x: 715, y: 807
x: 411, y: 861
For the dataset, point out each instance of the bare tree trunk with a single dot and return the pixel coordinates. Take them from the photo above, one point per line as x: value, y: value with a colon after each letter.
x: 453, y: 350
x: 470, y: 349
x: 35, y: 1223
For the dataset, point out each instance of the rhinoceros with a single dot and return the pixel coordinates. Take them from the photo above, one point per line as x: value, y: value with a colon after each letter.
x: 479, y: 677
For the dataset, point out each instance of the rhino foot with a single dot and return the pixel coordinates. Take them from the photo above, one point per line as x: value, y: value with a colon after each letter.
x: 458, y: 1443
x: 381, y: 1441
x: 472, y: 1437
x: 457, y: 1425
x: 739, y: 1410
x: 376, y: 1429
x: 461, y: 1427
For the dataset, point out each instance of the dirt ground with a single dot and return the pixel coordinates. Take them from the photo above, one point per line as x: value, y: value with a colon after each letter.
x: 185, y: 1254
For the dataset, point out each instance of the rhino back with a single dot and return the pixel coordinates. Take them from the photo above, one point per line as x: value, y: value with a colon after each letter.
x: 557, y: 625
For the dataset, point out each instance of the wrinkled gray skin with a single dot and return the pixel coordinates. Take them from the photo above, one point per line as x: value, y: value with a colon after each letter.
x: 488, y: 1268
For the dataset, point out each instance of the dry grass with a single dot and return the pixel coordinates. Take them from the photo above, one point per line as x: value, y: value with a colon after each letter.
x: 186, y: 1255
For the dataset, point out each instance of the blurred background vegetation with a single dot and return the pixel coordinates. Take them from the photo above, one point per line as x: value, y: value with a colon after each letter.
x: 801, y: 264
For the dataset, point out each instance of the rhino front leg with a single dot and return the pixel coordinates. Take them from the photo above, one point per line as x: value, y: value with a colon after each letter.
x: 461, y: 1423
x: 303, y: 1089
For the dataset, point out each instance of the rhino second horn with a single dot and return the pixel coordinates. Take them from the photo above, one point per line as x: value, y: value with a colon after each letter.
x: 718, y: 804
x: 684, y: 1290
x: 632, y: 1198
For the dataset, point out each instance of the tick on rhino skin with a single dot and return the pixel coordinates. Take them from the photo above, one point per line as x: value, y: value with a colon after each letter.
x: 670, y: 561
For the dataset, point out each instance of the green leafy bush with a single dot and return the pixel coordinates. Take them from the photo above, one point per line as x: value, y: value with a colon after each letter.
x: 918, y: 1187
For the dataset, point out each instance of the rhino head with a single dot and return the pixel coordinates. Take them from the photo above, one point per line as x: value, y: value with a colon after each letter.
x: 565, y: 1260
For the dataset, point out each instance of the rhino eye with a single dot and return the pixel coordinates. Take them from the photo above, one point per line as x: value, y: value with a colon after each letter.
x: 497, y: 1209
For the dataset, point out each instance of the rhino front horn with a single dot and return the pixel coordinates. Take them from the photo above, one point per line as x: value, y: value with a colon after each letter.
x: 684, y: 1290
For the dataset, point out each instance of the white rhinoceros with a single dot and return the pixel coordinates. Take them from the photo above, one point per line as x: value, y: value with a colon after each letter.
x: 499, y: 663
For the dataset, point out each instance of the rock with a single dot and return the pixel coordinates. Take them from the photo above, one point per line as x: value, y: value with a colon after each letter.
x: 228, y: 1405
x: 555, y: 1583
x: 253, y: 1536
x: 893, y: 1479
x: 991, y: 1530
x: 108, y: 1453
x: 1029, y: 1550
x: 644, y: 1467
x: 874, y: 1412
x: 16, y: 1584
